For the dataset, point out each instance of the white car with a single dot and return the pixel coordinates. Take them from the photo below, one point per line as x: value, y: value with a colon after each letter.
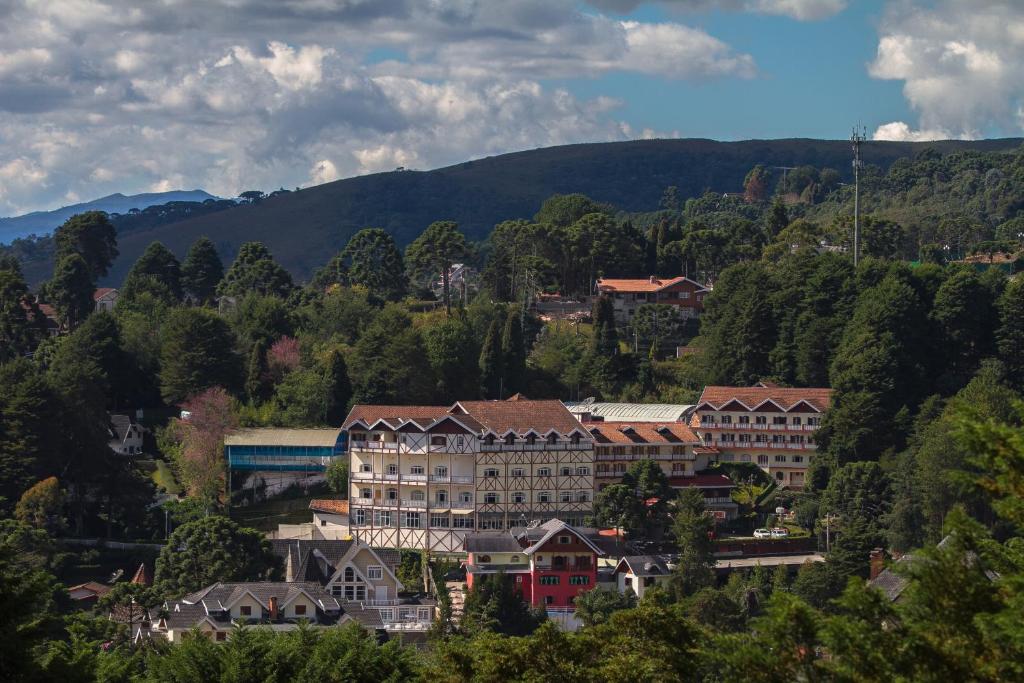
x: 762, y: 533
x: 780, y: 532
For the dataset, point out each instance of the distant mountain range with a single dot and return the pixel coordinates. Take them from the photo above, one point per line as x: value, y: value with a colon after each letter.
x: 305, y: 228
x: 42, y: 222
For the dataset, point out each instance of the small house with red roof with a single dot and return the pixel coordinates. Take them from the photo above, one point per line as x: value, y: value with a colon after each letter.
x: 550, y: 563
x: 765, y: 424
x: 105, y: 298
x: 627, y: 295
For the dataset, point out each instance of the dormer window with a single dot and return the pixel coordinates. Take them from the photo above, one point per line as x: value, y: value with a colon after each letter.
x: 510, y: 439
x: 484, y: 559
x: 552, y: 438
x: 245, y: 610
x: 575, y: 439
x: 489, y: 439
x: 531, y: 439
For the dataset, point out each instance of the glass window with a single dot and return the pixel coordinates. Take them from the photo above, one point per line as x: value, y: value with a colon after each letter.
x: 565, y: 497
x: 544, y: 497
x: 582, y: 471
x: 579, y: 580
x: 412, y: 519
x: 544, y: 472
x: 441, y: 496
x: 350, y: 575
x: 491, y: 472
x: 518, y: 497
x: 392, y: 469
x: 441, y: 471
x: 417, y: 495
x: 465, y: 497
x: 517, y: 471
x: 375, y: 572
x: 438, y: 440
x: 566, y: 471
x: 491, y: 498
x: 246, y: 610
x: 439, y: 521
x: 360, y: 516
x: 549, y: 580
x: 416, y: 469
x: 552, y: 438
x: 510, y: 439
x: 300, y: 610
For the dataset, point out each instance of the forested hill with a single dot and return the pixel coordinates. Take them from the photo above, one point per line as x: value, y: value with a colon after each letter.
x: 303, y: 229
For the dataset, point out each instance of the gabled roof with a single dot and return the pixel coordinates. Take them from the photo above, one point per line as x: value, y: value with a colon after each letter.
x: 102, y: 292
x: 518, y: 416
x: 142, y: 576
x: 119, y: 426
x: 539, y: 535
x: 785, y: 397
x: 653, y: 433
x: 643, y: 565
x: 650, y: 284
x: 323, y: 438
x: 491, y: 542
x: 701, y: 481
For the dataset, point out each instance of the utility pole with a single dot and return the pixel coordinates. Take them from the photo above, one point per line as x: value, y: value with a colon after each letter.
x: 856, y: 139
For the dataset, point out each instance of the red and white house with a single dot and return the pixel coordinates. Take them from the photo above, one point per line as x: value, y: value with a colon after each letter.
x: 550, y: 563
x: 629, y: 294
x: 764, y: 424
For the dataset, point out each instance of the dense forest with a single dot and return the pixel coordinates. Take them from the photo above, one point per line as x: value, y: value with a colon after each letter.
x: 480, y: 193
x: 924, y: 442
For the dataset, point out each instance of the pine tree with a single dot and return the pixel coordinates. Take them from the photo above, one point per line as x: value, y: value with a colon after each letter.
x: 201, y: 271
x: 491, y: 365
x: 90, y: 235
x: 255, y: 384
x: 1010, y: 335
x: 71, y: 289
x: 156, y: 271
x: 341, y: 388
x: 514, y: 352
x: 605, y: 339
x: 19, y: 330
x: 198, y: 352
x: 255, y: 270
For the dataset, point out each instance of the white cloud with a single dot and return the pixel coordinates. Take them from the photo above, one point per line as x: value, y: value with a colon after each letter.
x: 902, y: 132
x: 239, y: 94
x: 802, y: 10
x: 960, y: 63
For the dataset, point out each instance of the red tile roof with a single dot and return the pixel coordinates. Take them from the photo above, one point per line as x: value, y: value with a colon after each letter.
x: 652, y: 284
x: 519, y: 415
x: 641, y: 432
x: 333, y: 507
x: 701, y: 481
x: 102, y: 292
x: 786, y: 397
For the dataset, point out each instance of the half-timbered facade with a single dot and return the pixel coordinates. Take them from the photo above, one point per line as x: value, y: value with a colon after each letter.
x: 771, y: 426
x: 424, y: 476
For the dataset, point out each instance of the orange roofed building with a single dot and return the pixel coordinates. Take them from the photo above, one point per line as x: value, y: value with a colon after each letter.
x: 771, y: 426
x: 628, y: 295
x: 676, y: 449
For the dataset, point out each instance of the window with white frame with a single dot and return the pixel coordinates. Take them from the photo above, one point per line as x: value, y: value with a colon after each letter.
x: 417, y: 495
x: 491, y: 472
x: 392, y: 469
x: 366, y: 467
x: 439, y: 521
x: 441, y: 471
x: 518, y: 497
x: 412, y: 520
x: 360, y: 516
x: 517, y: 471
x: 416, y: 469
x: 465, y: 497
x: 491, y: 498
x: 441, y: 496
x: 366, y: 493
x: 543, y: 471
x: 565, y: 497
x: 544, y: 497
x: 375, y: 572
x: 583, y: 471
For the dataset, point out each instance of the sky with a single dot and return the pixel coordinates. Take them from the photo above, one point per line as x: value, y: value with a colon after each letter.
x: 103, y: 96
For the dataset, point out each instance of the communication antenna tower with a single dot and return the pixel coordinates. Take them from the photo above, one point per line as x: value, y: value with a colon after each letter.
x: 859, y: 135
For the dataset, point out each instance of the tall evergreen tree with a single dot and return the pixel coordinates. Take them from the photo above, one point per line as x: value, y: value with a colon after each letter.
x: 157, y: 269
x: 71, y: 290
x: 254, y: 270
x: 389, y: 362
x: 336, y: 371
x: 964, y: 314
x: 491, y: 362
x: 198, y: 352
x: 19, y: 317
x: 373, y: 260
x: 255, y: 376
x: 605, y: 338
x: 434, y: 252
x: 201, y: 271
x: 513, y: 351
x: 92, y: 236
x: 449, y: 343
x: 1010, y: 335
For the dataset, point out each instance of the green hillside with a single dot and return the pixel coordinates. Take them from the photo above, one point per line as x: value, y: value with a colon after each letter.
x: 303, y: 229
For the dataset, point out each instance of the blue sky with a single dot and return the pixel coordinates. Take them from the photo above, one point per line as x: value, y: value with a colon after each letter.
x: 812, y: 79
x: 102, y: 96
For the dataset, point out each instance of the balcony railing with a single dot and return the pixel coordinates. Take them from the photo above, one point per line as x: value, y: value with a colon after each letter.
x: 451, y: 479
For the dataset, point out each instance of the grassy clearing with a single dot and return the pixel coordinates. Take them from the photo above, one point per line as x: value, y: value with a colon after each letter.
x: 266, y: 515
x: 164, y: 478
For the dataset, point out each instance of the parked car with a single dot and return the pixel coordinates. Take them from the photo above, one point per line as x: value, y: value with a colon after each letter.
x: 780, y: 532
x: 762, y: 533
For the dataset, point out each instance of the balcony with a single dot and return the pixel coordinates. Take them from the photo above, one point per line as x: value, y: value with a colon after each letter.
x: 718, y: 500
x: 452, y: 479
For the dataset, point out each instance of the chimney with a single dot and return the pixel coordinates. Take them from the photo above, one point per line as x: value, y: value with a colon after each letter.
x: 273, y: 608
x: 653, y: 279
x: 877, y: 560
